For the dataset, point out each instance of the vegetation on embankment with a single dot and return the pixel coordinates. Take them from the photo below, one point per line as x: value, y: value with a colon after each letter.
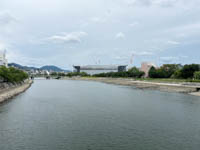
x: 169, y: 77
x: 12, y: 82
x: 131, y: 73
x: 175, y: 71
x: 170, y: 72
x: 165, y: 73
x: 12, y: 75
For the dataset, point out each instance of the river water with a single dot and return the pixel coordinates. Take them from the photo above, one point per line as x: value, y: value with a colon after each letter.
x: 83, y: 115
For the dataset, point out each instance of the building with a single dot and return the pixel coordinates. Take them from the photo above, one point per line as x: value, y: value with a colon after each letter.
x: 96, y: 69
x: 146, y: 66
x: 3, y: 60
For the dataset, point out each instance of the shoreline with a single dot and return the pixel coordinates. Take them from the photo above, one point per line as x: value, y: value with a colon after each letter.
x: 185, y: 87
x: 14, y: 90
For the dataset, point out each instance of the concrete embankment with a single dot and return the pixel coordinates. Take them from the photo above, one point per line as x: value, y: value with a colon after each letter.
x: 8, y: 90
x: 182, y: 87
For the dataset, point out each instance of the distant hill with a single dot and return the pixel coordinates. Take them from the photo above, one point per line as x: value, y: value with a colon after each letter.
x: 49, y: 68
x: 21, y: 67
x: 53, y: 68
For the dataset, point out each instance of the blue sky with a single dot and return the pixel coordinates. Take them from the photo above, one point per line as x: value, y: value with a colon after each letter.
x: 77, y: 32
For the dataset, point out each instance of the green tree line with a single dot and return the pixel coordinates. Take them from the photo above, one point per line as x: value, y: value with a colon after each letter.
x: 12, y: 75
x: 133, y: 72
x: 81, y: 74
x: 175, y: 71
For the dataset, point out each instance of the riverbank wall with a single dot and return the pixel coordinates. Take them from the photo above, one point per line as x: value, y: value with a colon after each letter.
x: 9, y: 90
x: 182, y: 87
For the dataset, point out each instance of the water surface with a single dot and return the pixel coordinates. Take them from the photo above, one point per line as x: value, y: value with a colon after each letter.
x: 83, y: 115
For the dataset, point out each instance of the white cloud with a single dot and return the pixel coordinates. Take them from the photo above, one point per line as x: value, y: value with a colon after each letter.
x: 98, y: 20
x: 2, y: 46
x: 132, y: 54
x: 160, y: 3
x: 169, y: 59
x: 74, y: 37
x: 142, y: 53
x: 134, y: 24
x: 121, y: 58
x: 185, y: 30
x: 84, y: 24
x: 152, y: 2
x: 18, y: 57
x: 120, y: 35
x: 139, y: 2
x: 165, y: 3
x: 6, y: 18
x: 173, y: 42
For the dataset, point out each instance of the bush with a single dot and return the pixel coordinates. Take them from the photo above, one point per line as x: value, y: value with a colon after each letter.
x: 197, y: 75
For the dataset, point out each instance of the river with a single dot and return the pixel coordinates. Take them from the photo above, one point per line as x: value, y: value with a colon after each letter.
x: 86, y: 115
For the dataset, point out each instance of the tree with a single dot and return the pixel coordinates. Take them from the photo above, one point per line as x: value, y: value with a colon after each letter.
x: 4, y: 74
x: 82, y: 74
x: 158, y: 73
x: 135, y: 72
x: 177, y: 74
x: 189, y: 70
x: 153, y: 73
x: 12, y: 75
x: 197, y: 75
x: 61, y: 74
x: 168, y: 70
x: 54, y: 74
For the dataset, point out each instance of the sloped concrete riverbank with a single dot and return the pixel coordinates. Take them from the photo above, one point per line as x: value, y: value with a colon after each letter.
x: 8, y: 90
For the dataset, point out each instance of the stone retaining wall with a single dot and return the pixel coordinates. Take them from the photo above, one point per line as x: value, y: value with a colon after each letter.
x: 9, y: 90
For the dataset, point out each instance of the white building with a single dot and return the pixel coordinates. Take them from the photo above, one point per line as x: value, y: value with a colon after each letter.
x: 96, y: 69
x: 3, y: 60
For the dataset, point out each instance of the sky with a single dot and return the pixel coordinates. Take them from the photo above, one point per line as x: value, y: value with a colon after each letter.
x: 105, y: 32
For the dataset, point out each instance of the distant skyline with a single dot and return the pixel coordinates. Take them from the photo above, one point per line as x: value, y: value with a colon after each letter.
x: 81, y: 32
